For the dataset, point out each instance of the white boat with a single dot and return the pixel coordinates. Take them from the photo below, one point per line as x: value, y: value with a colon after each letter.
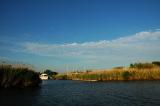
x: 44, y: 77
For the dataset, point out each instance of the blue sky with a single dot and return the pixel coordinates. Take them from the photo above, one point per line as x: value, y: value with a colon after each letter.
x: 79, y: 34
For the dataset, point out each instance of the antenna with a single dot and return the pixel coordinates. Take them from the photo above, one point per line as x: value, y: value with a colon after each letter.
x: 67, y: 69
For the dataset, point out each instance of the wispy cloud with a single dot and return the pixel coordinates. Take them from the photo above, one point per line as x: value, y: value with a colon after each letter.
x: 158, y: 29
x: 142, y: 42
x: 142, y: 46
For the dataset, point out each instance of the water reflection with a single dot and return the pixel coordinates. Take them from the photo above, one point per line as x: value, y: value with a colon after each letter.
x: 19, y: 97
x: 78, y: 93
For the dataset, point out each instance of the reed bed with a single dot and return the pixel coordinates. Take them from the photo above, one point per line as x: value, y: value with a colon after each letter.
x: 116, y: 74
x: 18, y: 77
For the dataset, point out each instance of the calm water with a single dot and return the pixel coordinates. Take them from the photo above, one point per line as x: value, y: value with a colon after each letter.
x: 78, y: 93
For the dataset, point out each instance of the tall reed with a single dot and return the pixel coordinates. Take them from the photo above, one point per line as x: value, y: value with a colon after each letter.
x: 17, y: 77
x: 117, y: 74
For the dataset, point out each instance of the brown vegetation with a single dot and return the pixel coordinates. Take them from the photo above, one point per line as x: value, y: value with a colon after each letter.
x: 137, y: 71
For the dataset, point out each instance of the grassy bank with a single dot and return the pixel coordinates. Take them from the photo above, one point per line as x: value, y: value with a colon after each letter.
x: 147, y: 71
x: 18, y: 77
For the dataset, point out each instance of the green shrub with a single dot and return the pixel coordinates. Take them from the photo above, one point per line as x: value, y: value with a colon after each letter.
x: 156, y: 63
x: 61, y: 77
x: 126, y: 75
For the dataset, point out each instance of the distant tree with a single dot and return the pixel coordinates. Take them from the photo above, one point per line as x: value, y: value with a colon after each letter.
x: 131, y: 65
x: 156, y: 63
x: 50, y: 73
x: 142, y: 65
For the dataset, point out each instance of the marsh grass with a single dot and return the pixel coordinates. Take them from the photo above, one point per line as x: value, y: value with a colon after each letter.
x: 17, y: 77
x: 140, y: 71
x: 61, y: 77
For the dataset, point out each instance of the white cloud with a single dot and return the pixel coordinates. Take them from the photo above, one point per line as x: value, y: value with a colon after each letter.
x: 142, y: 42
x: 142, y: 46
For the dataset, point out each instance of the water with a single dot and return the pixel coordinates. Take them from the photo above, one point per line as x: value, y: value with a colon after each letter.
x: 78, y: 93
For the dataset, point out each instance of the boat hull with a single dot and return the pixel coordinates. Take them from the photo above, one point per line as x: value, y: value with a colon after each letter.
x: 44, y: 77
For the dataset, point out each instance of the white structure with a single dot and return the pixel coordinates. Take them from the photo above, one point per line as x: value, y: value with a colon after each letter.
x: 44, y: 77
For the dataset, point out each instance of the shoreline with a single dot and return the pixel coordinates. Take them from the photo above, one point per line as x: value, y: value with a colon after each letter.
x: 84, y: 80
x: 113, y: 80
